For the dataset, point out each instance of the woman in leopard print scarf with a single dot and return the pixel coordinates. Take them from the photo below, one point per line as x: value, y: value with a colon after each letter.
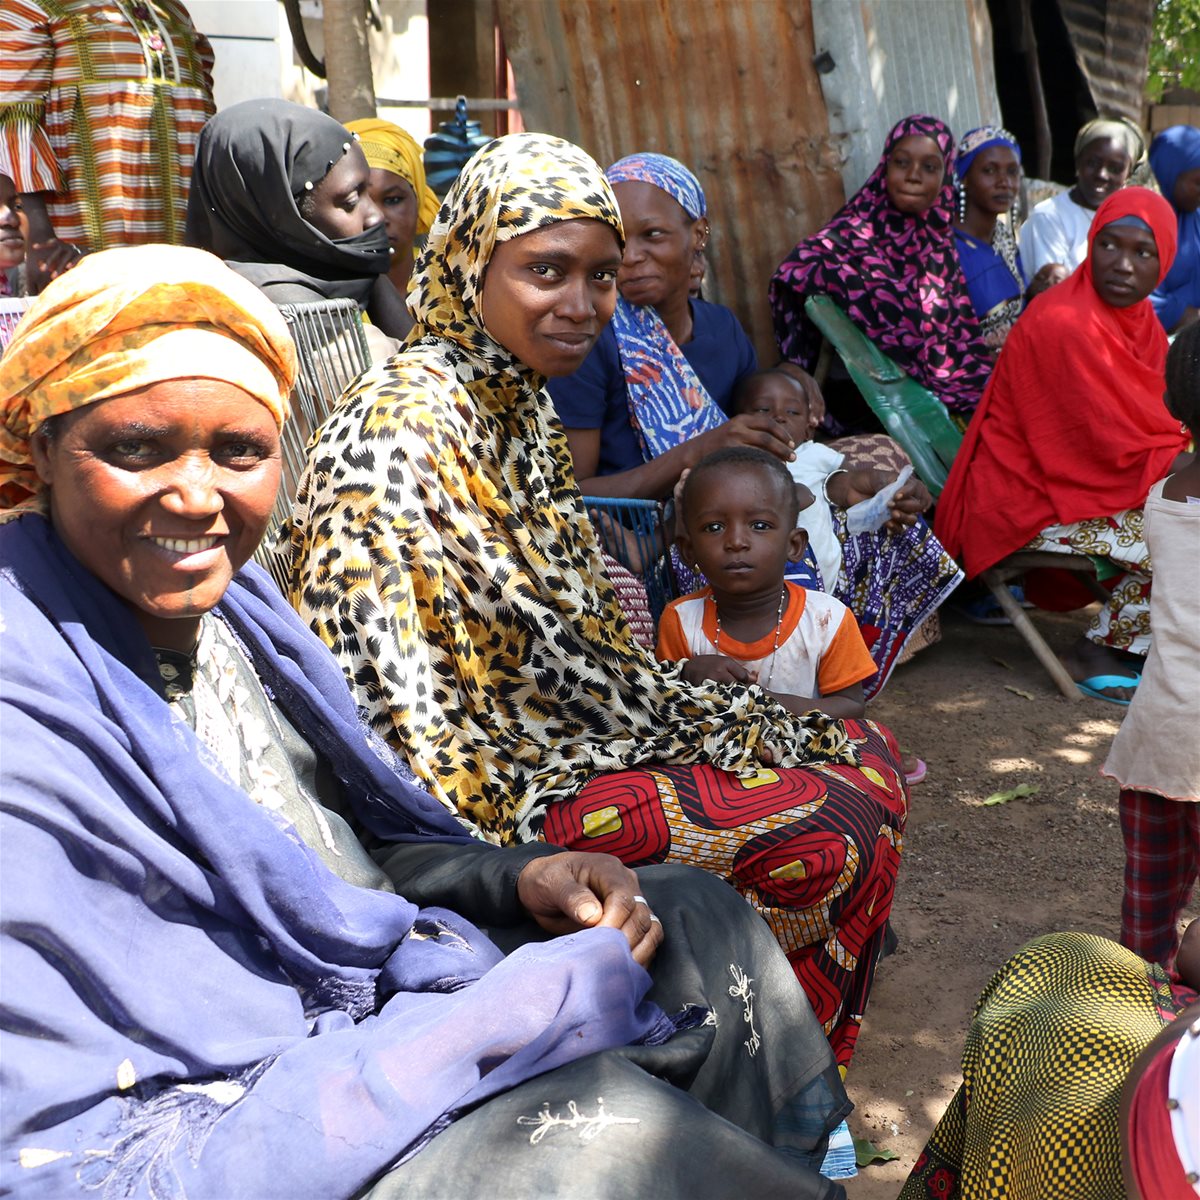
x: 443, y: 552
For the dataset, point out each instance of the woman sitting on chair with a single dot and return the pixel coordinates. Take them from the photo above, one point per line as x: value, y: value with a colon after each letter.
x: 888, y: 260
x: 1072, y: 431
x: 443, y: 551
x: 210, y: 986
x: 988, y: 184
x: 280, y: 192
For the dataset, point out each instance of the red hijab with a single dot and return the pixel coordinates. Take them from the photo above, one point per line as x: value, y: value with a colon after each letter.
x: 1072, y: 424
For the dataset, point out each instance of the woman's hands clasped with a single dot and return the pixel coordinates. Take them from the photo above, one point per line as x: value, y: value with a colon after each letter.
x: 571, y: 891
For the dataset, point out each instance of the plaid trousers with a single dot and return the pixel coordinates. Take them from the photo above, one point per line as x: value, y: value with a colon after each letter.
x: 1162, y: 863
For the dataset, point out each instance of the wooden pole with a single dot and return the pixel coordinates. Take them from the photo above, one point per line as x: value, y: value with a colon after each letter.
x: 1037, y: 95
x: 348, y: 60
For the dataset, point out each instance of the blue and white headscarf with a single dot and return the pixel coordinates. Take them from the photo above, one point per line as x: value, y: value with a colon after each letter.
x: 978, y: 140
x: 668, y: 405
x: 663, y: 172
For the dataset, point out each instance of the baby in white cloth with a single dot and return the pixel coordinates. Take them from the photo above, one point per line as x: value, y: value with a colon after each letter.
x: 871, y: 497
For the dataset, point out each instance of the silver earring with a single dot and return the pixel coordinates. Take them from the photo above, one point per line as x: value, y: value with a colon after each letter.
x: 962, y: 202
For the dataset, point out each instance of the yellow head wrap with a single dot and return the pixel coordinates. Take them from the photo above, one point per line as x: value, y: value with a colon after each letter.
x: 390, y: 148
x: 124, y: 319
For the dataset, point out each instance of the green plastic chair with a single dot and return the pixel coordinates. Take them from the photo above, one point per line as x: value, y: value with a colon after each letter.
x: 919, y: 422
x: 911, y: 414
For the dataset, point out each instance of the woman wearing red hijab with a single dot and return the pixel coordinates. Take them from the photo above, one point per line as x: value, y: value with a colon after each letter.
x: 1072, y: 431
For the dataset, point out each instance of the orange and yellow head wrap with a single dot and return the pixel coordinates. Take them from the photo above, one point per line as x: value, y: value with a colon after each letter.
x: 390, y: 148
x: 124, y: 319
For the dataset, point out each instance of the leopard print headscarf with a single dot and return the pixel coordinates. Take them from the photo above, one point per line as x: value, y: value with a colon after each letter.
x: 443, y: 552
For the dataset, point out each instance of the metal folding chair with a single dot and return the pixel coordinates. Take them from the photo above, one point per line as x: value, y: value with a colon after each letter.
x: 331, y: 352
x: 632, y: 532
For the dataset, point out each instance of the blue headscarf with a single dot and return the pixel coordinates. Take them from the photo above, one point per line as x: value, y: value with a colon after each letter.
x: 1174, y: 151
x: 663, y: 172
x: 977, y: 141
x: 668, y: 405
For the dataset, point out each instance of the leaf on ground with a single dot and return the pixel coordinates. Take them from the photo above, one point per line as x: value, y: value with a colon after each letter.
x: 1017, y: 793
x: 866, y: 1153
x: 1008, y: 687
x: 1001, y: 663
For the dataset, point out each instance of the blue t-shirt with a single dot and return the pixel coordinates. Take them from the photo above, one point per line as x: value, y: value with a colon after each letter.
x: 989, y: 281
x: 595, y: 397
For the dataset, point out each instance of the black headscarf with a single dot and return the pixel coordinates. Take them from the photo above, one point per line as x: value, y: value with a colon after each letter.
x: 252, y: 163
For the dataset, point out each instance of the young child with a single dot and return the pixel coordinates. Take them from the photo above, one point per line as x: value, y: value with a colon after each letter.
x: 749, y: 625
x: 822, y: 470
x: 12, y: 237
x: 1156, y: 755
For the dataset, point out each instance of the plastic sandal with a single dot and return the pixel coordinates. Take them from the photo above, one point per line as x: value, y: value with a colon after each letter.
x: 917, y: 774
x: 1093, y: 686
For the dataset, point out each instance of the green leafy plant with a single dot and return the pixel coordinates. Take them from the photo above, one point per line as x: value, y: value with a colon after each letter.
x: 1174, y: 48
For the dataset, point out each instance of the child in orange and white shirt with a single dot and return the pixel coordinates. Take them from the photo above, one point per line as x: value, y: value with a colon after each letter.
x: 738, y: 515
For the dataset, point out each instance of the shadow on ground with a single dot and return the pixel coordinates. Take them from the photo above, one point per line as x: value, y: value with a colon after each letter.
x: 979, y: 881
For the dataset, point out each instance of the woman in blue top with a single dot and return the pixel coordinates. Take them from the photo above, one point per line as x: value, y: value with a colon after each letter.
x: 652, y: 398
x: 1175, y: 159
x: 988, y: 186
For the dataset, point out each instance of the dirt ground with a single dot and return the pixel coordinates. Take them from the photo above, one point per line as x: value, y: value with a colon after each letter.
x: 977, y: 882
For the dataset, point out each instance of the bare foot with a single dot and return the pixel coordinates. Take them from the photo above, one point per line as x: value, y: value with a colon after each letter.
x: 1086, y: 660
x: 912, y: 767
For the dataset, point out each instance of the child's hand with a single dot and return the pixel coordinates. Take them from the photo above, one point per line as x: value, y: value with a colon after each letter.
x: 716, y: 668
x: 48, y: 260
x: 908, y: 503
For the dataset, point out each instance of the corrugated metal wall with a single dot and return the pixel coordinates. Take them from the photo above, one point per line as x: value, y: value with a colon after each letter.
x: 730, y: 87
x: 727, y: 86
x: 1112, y: 46
x: 896, y: 57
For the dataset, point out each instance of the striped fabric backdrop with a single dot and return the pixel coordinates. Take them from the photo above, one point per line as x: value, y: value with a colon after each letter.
x: 101, y: 102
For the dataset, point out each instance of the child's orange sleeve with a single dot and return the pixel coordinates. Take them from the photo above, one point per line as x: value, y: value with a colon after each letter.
x: 846, y: 659
x: 672, y: 645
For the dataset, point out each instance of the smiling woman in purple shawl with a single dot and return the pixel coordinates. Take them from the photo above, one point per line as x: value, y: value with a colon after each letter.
x: 209, y: 986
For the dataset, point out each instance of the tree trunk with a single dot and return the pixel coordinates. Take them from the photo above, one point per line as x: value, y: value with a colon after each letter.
x: 348, y: 60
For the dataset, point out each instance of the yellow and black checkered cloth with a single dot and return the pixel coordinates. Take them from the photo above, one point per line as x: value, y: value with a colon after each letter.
x: 1053, y: 1037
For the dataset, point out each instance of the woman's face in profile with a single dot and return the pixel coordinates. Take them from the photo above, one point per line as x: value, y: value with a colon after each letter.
x: 916, y: 171
x: 548, y: 294
x: 661, y: 241
x: 1186, y: 198
x: 1124, y: 262
x: 163, y: 494
x: 12, y: 236
x: 340, y: 206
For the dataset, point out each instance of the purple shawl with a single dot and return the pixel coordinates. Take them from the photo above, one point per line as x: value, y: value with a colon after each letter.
x: 897, y: 277
x: 193, y: 1004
